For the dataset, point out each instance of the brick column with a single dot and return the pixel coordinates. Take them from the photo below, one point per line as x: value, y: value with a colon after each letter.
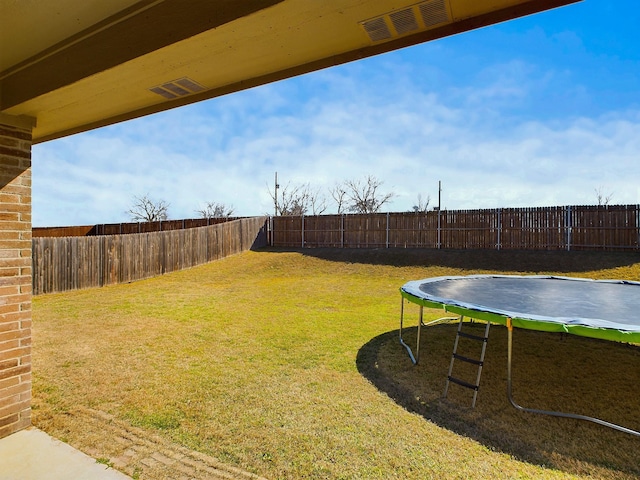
x: 15, y: 273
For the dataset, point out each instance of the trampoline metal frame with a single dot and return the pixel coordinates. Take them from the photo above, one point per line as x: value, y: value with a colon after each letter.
x: 551, y: 412
x: 509, y: 324
x: 415, y: 359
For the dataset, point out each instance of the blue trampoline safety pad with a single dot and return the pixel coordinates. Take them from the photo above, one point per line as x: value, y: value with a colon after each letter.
x: 606, y: 309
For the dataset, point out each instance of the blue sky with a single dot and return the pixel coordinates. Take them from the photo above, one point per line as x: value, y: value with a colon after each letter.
x: 539, y: 111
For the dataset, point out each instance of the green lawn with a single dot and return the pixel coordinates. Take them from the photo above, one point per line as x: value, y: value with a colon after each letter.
x: 287, y: 364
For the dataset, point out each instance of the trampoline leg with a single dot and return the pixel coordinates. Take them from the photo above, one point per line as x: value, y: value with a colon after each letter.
x: 420, y: 316
x: 413, y: 360
x: 549, y: 412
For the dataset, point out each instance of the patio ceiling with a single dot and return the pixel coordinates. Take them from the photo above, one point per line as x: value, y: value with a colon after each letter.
x: 74, y: 65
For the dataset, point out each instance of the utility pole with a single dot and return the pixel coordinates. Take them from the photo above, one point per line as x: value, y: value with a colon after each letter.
x: 275, y: 195
x: 439, y: 193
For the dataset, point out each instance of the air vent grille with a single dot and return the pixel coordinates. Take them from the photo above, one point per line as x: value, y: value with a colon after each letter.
x: 404, y: 21
x: 434, y: 13
x: 177, y: 88
x: 377, y: 29
x: 420, y: 16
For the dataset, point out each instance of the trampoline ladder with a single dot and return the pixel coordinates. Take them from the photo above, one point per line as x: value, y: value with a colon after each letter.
x: 479, y: 363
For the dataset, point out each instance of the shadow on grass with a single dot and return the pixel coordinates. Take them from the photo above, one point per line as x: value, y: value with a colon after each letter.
x: 564, y: 373
x: 494, y: 260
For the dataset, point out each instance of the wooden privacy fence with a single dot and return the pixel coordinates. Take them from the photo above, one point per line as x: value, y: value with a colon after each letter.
x: 67, y: 263
x: 546, y: 228
x: 124, y: 228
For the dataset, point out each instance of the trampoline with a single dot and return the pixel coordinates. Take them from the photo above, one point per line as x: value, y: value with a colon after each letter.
x: 602, y: 309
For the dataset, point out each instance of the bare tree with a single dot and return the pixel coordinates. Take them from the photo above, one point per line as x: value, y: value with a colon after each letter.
x: 364, y: 196
x: 360, y: 196
x: 340, y: 196
x: 299, y: 200
x: 144, y: 209
x: 603, y: 200
x: 216, y: 210
x: 423, y: 205
x: 317, y: 201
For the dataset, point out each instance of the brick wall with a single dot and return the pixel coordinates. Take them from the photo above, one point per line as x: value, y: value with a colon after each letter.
x: 15, y: 278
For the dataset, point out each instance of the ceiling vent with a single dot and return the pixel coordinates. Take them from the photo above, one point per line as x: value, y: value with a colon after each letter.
x: 377, y: 29
x: 434, y: 13
x: 404, y: 21
x: 421, y: 16
x: 178, y: 88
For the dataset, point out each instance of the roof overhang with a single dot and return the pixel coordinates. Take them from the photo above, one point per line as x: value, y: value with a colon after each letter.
x: 74, y: 65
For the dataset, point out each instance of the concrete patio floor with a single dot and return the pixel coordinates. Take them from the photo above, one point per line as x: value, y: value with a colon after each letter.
x: 31, y: 454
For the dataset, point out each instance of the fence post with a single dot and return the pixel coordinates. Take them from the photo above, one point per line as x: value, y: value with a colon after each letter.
x: 302, y: 218
x: 439, y: 229
x: 101, y: 260
x: 637, y: 207
x: 568, y: 226
x: 342, y: 231
x: 499, y: 226
x: 207, y: 232
x: 387, y: 230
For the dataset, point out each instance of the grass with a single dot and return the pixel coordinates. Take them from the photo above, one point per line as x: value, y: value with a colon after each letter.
x: 286, y: 364
x: 104, y: 461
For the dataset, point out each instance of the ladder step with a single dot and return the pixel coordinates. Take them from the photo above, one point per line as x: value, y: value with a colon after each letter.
x: 480, y: 363
x: 473, y: 337
x: 463, y: 383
